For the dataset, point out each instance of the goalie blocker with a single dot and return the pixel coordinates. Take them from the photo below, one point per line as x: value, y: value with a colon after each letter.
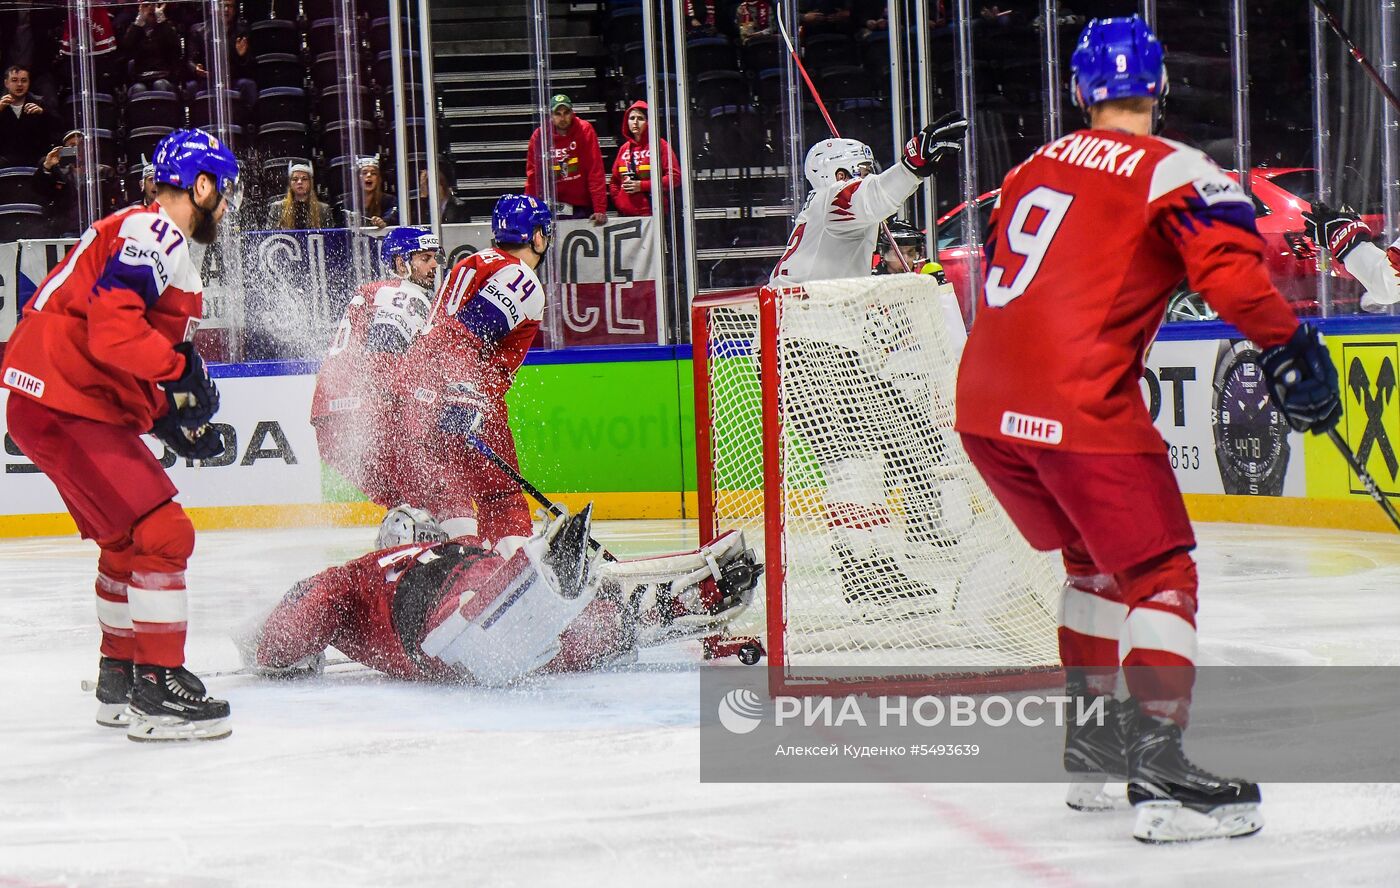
x: 455, y: 611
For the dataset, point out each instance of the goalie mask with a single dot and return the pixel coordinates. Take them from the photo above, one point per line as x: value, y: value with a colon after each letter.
x: 404, y: 525
x: 826, y: 157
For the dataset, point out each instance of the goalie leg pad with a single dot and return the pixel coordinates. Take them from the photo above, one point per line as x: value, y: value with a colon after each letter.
x: 687, y: 595
x: 511, y: 625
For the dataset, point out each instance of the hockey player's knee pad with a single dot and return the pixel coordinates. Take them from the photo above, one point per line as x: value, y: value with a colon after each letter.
x: 1167, y: 582
x: 163, y: 540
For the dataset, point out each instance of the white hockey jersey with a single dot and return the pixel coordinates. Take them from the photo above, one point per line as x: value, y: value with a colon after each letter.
x: 837, y: 229
x: 835, y: 238
x: 1378, y: 270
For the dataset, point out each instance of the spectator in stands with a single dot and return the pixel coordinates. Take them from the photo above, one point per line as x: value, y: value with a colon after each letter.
x: 580, y: 188
x: 58, y: 180
x: 148, y: 184
x: 380, y: 209
x: 239, y: 72
x: 26, y: 121
x: 153, y: 47
x: 632, y: 170
x: 700, y: 17
x: 873, y: 17
x: 299, y: 208
x: 102, y: 43
x: 451, y: 209
x: 752, y: 18
x: 825, y: 17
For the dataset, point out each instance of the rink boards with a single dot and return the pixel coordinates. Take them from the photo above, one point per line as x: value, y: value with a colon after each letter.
x: 615, y: 426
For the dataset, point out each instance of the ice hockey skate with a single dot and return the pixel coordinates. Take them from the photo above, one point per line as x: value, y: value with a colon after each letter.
x: 1094, y: 751
x: 113, y: 692
x: 172, y: 704
x: 1176, y: 800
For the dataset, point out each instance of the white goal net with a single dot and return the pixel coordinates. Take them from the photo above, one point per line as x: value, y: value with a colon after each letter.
x: 825, y: 431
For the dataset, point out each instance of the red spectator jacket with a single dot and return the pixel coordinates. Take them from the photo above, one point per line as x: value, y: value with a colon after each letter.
x: 103, y: 37
x: 578, y: 167
x: 634, y: 157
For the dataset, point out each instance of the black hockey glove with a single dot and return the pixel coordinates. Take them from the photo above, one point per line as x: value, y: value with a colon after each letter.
x: 194, y: 399
x: 462, y: 409
x: 201, y: 443
x: 1302, y: 381
x: 934, y: 142
x: 1337, y: 230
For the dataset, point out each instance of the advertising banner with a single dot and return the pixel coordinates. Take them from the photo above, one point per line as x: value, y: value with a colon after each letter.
x: 1208, y: 399
x: 292, y: 286
x: 270, y: 456
x: 1370, y: 425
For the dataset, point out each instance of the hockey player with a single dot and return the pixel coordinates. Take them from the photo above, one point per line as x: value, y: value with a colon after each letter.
x: 103, y: 354
x: 1350, y: 242
x: 423, y: 611
x: 455, y: 378
x: 1088, y: 238
x: 835, y: 237
x: 355, y: 407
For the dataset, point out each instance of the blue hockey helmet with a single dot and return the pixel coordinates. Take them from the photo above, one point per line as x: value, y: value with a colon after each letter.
x: 185, y: 153
x: 1117, y: 58
x: 517, y: 216
x: 406, y: 240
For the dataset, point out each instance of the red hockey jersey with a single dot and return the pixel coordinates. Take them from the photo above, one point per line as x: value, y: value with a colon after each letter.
x: 1088, y: 238
x: 100, y: 330
x: 379, y: 324
x: 492, y: 305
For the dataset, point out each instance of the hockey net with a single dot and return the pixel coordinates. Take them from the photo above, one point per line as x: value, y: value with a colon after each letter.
x: 824, y: 429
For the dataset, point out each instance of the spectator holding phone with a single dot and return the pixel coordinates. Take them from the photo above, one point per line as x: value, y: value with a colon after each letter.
x: 633, y: 168
x: 58, y: 180
x: 153, y: 46
x: 26, y: 126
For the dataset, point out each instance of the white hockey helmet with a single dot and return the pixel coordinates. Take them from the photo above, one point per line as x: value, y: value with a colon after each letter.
x: 404, y: 524
x: 826, y: 157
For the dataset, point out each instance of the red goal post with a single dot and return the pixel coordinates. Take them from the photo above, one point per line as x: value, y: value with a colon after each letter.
x: 824, y: 431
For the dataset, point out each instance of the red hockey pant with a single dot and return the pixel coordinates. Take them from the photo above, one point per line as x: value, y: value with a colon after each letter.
x: 120, y: 497
x: 1121, y: 525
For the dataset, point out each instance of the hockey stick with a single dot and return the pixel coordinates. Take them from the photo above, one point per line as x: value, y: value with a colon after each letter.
x: 831, y: 124
x: 1366, y: 480
x: 1356, y: 53
x: 531, y: 489
x: 89, y: 685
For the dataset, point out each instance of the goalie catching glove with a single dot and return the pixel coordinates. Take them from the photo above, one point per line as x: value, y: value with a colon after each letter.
x: 1302, y: 381
x: 934, y: 142
x: 1340, y: 231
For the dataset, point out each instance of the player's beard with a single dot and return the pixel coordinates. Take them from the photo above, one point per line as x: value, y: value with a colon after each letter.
x: 205, y: 230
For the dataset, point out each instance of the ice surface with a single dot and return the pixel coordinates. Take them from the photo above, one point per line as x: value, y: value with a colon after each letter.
x: 356, y: 780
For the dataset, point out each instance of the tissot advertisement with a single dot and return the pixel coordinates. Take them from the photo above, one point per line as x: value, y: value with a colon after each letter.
x: 1209, y: 401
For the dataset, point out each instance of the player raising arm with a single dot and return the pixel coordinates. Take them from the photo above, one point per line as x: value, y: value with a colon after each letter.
x: 1089, y: 237
x: 104, y: 353
x: 835, y: 237
x: 455, y: 378
x: 423, y: 611
x: 836, y: 230
x: 355, y: 407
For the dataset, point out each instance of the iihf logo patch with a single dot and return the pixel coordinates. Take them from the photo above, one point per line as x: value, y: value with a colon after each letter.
x: 1032, y: 428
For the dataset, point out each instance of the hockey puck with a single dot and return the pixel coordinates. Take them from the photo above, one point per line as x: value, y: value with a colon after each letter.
x: 750, y: 653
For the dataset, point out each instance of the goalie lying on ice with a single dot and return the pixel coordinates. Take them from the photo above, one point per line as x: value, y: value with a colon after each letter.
x: 456, y: 611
